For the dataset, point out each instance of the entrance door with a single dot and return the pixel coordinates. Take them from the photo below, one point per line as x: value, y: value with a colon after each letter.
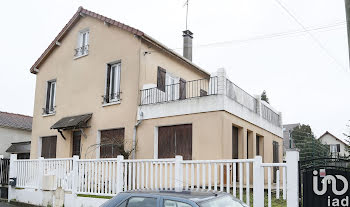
x: 175, y: 140
x: 234, y: 142
x: 275, y: 158
x: 76, y: 143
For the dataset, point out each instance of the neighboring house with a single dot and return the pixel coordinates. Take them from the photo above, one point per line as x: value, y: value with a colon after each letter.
x: 101, y: 82
x: 337, y: 147
x: 15, y: 133
x: 287, y: 140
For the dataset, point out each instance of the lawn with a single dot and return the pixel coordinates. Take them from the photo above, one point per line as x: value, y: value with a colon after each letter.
x: 274, y: 202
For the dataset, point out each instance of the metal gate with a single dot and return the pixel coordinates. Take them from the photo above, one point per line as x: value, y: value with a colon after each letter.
x: 324, y: 182
x: 4, y: 177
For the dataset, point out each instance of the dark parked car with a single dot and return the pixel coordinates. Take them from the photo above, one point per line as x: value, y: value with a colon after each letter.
x: 146, y: 198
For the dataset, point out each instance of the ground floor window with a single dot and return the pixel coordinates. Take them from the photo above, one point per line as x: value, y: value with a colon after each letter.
x: 112, y: 143
x: 48, y: 147
x: 175, y: 140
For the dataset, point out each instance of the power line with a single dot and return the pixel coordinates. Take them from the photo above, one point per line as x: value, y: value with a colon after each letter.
x: 323, y: 28
x: 310, y: 34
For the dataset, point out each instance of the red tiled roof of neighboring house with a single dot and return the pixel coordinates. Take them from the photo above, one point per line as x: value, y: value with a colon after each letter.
x: 327, y: 132
x: 82, y: 12
x: 17, y: 121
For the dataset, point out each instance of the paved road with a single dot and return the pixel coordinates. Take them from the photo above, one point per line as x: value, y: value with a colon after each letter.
x: 5, y: 204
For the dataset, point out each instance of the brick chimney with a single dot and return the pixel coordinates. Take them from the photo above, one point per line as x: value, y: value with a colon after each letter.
x: 188, y: 36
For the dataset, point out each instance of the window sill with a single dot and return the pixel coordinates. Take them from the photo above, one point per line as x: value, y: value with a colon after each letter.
x: 51, y: 114
x: 80, y: 56
x: 110, y: 104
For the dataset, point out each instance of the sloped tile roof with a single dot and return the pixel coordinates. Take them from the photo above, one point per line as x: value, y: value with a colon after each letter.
x: 84, y: 12
x: 17, y: 121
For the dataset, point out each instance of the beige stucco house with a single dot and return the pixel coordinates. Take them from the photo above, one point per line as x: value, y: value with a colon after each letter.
x: 102, y: 86
x: 337, y: 147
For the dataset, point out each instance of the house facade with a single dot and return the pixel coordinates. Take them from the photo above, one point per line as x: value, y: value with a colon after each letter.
x: 104, y: 88
x: 337, y: 147
x: 288, y: 142
x: 15, y: 135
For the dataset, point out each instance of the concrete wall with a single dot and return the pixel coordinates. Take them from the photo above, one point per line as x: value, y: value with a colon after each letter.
x: 10, y: 135
x: 329, y: 139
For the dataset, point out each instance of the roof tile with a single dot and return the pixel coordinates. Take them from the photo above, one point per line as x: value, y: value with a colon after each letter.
x: 18, y: 121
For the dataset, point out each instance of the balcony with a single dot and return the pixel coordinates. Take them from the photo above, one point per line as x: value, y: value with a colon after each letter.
x: 214, y: 94
x: 81, y: 51
x: 180, y: 91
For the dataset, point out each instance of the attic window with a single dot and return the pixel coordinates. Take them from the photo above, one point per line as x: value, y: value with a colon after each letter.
x: 83, y: 44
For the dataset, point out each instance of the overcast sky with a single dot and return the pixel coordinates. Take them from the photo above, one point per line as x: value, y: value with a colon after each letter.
x: 257, y: 42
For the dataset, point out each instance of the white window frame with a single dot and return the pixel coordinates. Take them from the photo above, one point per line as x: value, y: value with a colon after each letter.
x: 172, y: 90
x: 81, y: 42
x: 51, y: 98
x: 116, y: 67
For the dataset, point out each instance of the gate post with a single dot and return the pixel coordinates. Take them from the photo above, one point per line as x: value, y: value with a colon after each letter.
x: 120, y: 183
x: 258, y: 182
x: 178, y: 173
x: 75, y: 178
x: 12, y: 174
x: 41, y: 172
x: 292, y: 159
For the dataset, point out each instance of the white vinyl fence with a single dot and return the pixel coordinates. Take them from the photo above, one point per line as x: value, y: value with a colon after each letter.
x: 240, y: 177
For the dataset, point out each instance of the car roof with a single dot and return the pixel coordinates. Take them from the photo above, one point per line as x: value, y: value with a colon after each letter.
x: 194, y: 195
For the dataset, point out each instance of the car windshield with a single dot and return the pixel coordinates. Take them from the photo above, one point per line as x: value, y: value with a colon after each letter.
x: 224, y: 201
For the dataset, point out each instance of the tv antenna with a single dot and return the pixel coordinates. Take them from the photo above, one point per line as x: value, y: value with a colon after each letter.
x: 186, y: 4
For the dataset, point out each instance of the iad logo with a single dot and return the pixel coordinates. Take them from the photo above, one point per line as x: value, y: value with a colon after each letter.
x: 329, y: 179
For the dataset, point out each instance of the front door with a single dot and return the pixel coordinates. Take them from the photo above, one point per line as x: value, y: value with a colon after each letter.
x: 76, y: 143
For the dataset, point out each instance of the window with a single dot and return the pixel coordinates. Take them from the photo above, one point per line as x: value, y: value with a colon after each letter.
x: 50, y: 97
x: 83, y: 43
x: 112, y: 93
x: 142, y: 202
x: 48, y: 147
x: 76, y: 143
x: 169, y: 203
x: 334, y: 149
x: 112, y: 142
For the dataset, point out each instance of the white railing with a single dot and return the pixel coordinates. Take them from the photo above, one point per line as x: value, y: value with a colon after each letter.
x: 62, y: 169
x: 240, y: 96
x: 276, y: 168
x: 111, y: 176
x: 30, y: 172
x: 27, y: 173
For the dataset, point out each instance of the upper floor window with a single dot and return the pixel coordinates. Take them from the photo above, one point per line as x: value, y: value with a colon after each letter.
x: 83, y: 43
x: 112, y: 93
x: 50, y: 97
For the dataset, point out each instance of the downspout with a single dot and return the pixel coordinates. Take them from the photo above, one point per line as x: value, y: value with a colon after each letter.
x: 134, y: 136
x: 133, y: 154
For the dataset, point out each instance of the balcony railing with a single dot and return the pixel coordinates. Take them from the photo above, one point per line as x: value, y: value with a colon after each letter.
x: 240, y: 96
x: 111, y: 98
x: 81, y: 51
x: 207, y: 87
x: 180, y: 91
x: 270, y: 115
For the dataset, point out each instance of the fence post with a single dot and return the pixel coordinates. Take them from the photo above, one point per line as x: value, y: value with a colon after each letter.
x: 41, y: 173
x: 12, y: 174
x: 292, y: 159
x: 120, y: 183
x: 75, y: 178
x: 178, y: 173
x: 258, y: 182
